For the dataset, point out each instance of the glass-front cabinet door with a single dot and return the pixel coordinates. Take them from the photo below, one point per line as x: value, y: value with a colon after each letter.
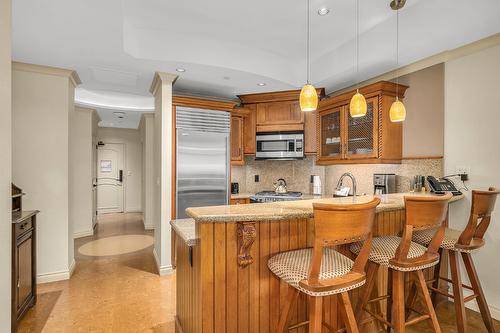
x: 362, y: 132
x: 331, y: 133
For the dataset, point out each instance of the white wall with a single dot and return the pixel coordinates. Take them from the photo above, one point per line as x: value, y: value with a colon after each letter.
x: 163, y: 129
x: 81, y: 166
x: 146, y: 128
x: 133, y: 163
x: 472, y: 137
x: 5, y: 164
x: 423, y: 129
x: 42, y: 99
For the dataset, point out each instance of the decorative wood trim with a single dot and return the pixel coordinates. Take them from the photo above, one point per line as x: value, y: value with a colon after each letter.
x: 280, y: 128
x: 431, y: 157
x: 71, y: 74
x: 204, y: 103
x: 357, y: 161
x: 276, y: 96
x: 246, y: 234
x: 379, y: 88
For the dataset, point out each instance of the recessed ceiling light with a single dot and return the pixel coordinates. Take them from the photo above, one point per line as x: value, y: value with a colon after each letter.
x: 261, y: 84
x: 323, y: 11
x: 180, y: 70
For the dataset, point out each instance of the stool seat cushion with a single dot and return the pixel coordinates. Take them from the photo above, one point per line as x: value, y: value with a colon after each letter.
x: 384, y: 249
x: 293, y: 267
x: 451, y: 237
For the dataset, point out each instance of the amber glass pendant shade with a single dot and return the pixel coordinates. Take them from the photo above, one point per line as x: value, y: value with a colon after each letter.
x: 308, y: 98
x: 397, y: 113
x: 358, y: 107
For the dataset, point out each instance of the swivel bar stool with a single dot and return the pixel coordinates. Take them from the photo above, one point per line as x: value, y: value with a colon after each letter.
x: 401, y: 256
x: 322, y: 271
x: 464, y: 242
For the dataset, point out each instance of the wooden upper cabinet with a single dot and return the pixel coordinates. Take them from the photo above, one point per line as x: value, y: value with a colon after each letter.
x: 279, y: 113
x: 310, y: 132
x: 237, y: 141
x: 372, y: 138
x: 276, y: 112
x: 249, y: 130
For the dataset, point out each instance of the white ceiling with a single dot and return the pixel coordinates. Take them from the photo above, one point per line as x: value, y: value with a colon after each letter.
x: 227, y: 47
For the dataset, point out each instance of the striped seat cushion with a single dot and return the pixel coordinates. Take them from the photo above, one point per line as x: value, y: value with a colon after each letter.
x: 293, y: 266
x: 451, y: 237
x: 384, y: 249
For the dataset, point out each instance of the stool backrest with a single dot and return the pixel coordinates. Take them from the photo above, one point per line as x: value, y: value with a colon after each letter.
x: 338, y: 224
x: 483, y: 204
x: 421, y: 213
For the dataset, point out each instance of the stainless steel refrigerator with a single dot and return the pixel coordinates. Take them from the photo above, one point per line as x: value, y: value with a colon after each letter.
x: 202, y: 158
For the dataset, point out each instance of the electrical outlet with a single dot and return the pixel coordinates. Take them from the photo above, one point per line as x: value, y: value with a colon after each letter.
x: 462, y: 170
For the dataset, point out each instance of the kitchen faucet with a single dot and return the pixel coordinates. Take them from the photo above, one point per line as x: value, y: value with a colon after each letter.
x: 339, y: 183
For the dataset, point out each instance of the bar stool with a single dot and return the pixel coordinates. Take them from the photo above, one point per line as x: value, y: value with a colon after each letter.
x: 457, y: 242
x: 401, y: 256
x: 322, y: 271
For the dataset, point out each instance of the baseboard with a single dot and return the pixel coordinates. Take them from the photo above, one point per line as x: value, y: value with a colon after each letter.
x: 72, y: 267
x: 162, y: 270
x: 133, y: 210
x: 81, y: 234
x: 148, y: 226
x: 53, y: 277
x: 495, y: 312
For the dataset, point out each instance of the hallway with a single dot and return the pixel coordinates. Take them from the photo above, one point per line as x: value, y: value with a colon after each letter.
x: 114, y: 288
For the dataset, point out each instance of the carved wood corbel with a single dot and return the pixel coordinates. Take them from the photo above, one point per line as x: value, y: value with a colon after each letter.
x: 246, y: 234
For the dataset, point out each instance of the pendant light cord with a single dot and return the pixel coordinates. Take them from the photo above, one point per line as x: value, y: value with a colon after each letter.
x: 307, y: 47
x: 397, y: 54
x: 357, y: 45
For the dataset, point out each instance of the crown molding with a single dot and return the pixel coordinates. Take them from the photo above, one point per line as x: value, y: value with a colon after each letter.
x: 160, y: 77
x: 42, y: 69
x: 204, y: 103
x: 276, y: 96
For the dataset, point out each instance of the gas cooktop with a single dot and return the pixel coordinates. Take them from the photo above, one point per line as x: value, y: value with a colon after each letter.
x: 270, y: 196
x: 274, y: 194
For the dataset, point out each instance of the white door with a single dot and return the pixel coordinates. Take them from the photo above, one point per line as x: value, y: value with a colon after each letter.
x: 110, y: 176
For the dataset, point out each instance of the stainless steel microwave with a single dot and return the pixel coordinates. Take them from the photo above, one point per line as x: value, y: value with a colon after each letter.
x: 280, y: 146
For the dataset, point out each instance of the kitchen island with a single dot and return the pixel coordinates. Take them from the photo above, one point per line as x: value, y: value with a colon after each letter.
x: 223, y: 282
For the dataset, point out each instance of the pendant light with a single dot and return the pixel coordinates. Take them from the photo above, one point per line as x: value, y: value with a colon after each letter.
x: 308, y: 95
x: 397, y: 112
x: 358, y: 107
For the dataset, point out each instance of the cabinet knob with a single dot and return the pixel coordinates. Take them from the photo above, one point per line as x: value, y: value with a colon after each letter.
x: 18, y: 283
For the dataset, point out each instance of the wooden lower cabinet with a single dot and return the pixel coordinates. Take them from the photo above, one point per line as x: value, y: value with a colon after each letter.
x: 240, y: 201
x: 23, y: 265
x: 216, y: 294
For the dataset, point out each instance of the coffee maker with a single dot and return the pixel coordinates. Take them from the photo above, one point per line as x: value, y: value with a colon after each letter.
x: 384, y: 183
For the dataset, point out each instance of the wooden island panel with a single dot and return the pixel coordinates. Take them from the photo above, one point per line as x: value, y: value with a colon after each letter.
x: 219, y: 295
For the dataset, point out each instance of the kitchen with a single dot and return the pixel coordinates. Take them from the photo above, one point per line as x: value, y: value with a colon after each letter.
x: 283, y: 160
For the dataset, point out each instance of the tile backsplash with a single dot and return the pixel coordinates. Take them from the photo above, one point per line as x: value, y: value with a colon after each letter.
x: 297, y: 174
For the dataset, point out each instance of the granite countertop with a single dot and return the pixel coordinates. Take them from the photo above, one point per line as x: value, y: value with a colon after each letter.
x: 185, y: 228
x: 291, y: 209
